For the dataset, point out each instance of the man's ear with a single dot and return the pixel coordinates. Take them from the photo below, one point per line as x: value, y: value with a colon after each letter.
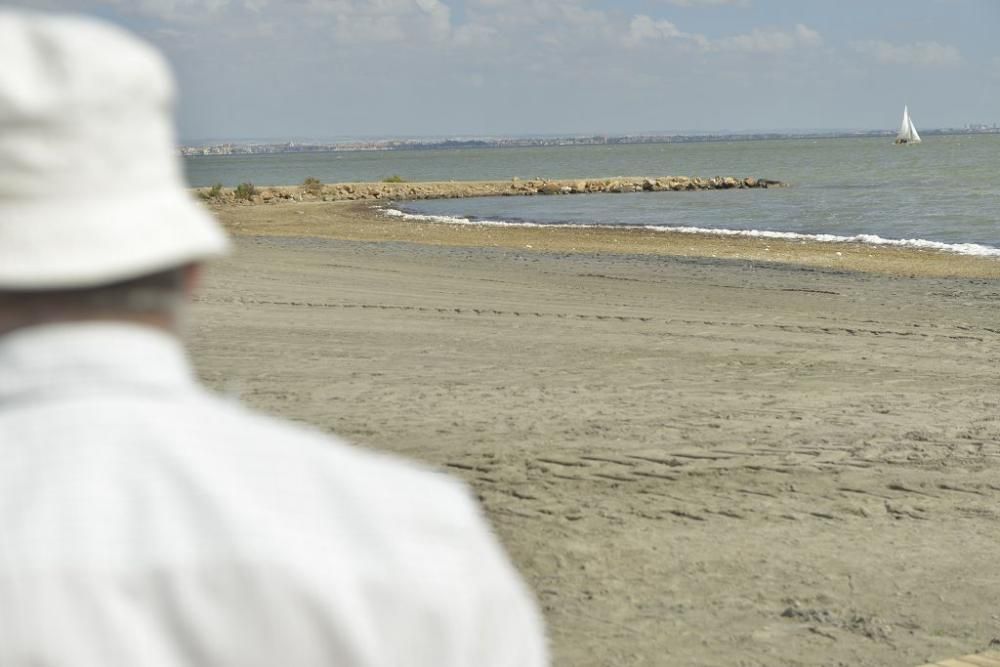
x: 192, y: 279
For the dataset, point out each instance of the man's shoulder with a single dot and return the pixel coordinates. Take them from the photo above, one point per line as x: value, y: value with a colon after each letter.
x: 382, y: 482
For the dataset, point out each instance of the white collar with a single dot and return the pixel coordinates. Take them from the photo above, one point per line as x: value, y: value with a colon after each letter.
x: 91, y: 357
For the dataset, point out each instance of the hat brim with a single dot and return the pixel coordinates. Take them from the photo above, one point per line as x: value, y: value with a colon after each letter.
x: 77, y: 243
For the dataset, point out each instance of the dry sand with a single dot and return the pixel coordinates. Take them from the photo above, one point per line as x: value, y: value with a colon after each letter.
x: 692, y: 460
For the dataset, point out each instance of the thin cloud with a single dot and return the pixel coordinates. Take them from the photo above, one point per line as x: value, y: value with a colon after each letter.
x: 474, y: 34
x: 919, y: 53
x: 771, y: 41
x: 708, y: 3
x: 644, y: 29
x: 174, y: 10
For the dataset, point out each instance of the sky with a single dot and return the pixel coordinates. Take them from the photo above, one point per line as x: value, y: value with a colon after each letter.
x: 335, y: 69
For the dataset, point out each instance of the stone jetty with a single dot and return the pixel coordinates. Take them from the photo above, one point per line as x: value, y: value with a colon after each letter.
x: 395, y: 191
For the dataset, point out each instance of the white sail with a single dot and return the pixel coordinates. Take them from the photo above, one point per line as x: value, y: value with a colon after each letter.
x: 914, y: 137
x: 907, y: 132
x: 904, y: 128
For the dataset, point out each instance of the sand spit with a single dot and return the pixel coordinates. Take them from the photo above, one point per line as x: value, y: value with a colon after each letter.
x: 317, y: 191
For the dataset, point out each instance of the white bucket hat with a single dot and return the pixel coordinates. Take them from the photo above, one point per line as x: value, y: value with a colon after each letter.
x: 91, y: 190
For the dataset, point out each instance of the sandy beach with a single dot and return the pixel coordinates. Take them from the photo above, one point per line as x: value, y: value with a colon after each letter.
x: 697, y: 450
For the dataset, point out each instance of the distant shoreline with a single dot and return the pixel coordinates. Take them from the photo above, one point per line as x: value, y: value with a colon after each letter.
x: 385, y: 145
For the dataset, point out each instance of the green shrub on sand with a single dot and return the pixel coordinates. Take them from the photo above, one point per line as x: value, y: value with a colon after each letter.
x: 245, y: 191
x: 214, y: 192
x: 312, y: 185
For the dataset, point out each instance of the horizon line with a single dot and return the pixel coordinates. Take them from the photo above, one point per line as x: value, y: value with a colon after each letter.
x: 460, y: 137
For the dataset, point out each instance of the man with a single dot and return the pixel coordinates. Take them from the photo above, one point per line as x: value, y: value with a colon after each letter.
x: 142, y: 520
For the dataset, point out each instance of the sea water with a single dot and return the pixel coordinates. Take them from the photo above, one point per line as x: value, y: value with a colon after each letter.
x: 944, y: 192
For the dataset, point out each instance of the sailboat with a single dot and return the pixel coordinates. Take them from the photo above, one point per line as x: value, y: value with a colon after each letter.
x: 907, y: 133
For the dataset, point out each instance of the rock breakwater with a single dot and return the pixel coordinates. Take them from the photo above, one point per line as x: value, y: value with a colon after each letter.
x: 315, y: 191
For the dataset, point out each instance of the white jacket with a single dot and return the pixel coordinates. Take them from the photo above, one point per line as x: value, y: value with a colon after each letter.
x: 145, y: 522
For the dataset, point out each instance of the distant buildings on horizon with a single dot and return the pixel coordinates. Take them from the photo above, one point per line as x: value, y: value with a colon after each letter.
x: 255, y: 148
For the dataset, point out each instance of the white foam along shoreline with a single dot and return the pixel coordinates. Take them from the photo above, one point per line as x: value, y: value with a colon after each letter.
x: 972, y: 249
